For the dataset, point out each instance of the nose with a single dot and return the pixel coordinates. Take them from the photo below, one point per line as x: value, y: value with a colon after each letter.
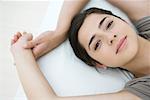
x: 111, y: 39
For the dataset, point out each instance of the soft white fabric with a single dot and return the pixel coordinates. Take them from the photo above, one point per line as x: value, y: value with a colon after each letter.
x: 68, y: 75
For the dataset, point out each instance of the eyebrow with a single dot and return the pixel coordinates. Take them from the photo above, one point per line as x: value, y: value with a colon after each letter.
x: 101, y: 22
x: 92, y: 38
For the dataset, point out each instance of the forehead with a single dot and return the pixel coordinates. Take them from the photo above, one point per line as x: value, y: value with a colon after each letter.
x: 89, y: 27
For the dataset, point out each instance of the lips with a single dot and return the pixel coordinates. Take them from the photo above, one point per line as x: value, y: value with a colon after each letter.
x: 120, y: 44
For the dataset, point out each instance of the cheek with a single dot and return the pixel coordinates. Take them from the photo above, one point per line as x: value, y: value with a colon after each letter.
x: 106, y: 56
x: 120, y: 27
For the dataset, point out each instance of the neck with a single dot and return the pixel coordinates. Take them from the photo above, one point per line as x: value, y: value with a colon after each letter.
x: 140, y: 64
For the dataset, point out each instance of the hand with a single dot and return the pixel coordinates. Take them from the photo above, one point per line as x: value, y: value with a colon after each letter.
x: 19, y: 40
x: 42, y: 44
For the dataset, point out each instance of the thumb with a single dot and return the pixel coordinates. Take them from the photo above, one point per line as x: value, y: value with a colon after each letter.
x: 39, y: 50
x: 30, y: 44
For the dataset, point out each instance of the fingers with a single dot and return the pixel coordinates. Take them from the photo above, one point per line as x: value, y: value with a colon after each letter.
x: 18, y: 34
x: 29, y: 37
x: 24, y: 33
x: 38, y: 51
x: 31, y: 43
x: 12, y: 41
x: 15, y: 37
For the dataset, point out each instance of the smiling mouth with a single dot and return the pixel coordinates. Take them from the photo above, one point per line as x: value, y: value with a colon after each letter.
x: 121, y: 44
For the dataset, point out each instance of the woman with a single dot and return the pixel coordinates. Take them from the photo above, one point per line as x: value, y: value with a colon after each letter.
x: 95, y: 25
x: 135, y: 9
x: 101, y: 39
x: 97, y: 36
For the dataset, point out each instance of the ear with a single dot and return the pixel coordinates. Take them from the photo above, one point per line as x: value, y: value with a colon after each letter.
x: 101, y: 66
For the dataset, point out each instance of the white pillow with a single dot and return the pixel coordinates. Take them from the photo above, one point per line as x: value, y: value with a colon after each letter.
x: 68, y: 75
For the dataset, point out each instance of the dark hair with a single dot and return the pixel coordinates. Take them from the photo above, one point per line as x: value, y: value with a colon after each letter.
x: 76, y: 23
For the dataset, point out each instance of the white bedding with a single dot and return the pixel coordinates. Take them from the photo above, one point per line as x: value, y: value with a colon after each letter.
x: 68, y: 75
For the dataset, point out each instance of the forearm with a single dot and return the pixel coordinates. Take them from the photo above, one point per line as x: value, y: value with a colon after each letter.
x: 37, y: 88
x: 135, y: 9
x: 123, y: 95
x: 35, y: 85
x: 69, y: 9
x: 33, y: 81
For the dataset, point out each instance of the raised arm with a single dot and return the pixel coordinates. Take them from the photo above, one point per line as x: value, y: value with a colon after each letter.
x: 34, y: 83
x: 51, y: 39
x: 135, y: 9
x: 69, y: 9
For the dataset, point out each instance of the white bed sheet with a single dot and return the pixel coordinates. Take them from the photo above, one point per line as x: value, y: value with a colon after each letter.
x: 68, y: 75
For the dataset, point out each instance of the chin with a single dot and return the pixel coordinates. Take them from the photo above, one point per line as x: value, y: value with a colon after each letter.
x: 130, y: 53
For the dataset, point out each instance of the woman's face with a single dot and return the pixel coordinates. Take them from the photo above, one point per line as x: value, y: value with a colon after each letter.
x: 108, y: 39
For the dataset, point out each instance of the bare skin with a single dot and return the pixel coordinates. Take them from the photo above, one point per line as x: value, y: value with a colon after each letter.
x: 139, y: 66
x: 50, y: 39
x: 133, y: 57
x: 28, y: 69
x: 34, y: 83
x: 42, y: 44
x: 135, y: 9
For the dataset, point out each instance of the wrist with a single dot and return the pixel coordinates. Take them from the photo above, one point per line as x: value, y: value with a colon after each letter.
x: 63, y: 27
x: 19, y: 50
x: 59, y: 33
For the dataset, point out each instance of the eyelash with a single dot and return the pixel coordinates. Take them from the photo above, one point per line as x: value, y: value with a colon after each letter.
x: 109, y: 24
x: 97, y: 44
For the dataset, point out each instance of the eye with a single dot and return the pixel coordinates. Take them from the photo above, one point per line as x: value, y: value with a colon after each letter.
x: 97, y: 44
x: 109, y: 24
